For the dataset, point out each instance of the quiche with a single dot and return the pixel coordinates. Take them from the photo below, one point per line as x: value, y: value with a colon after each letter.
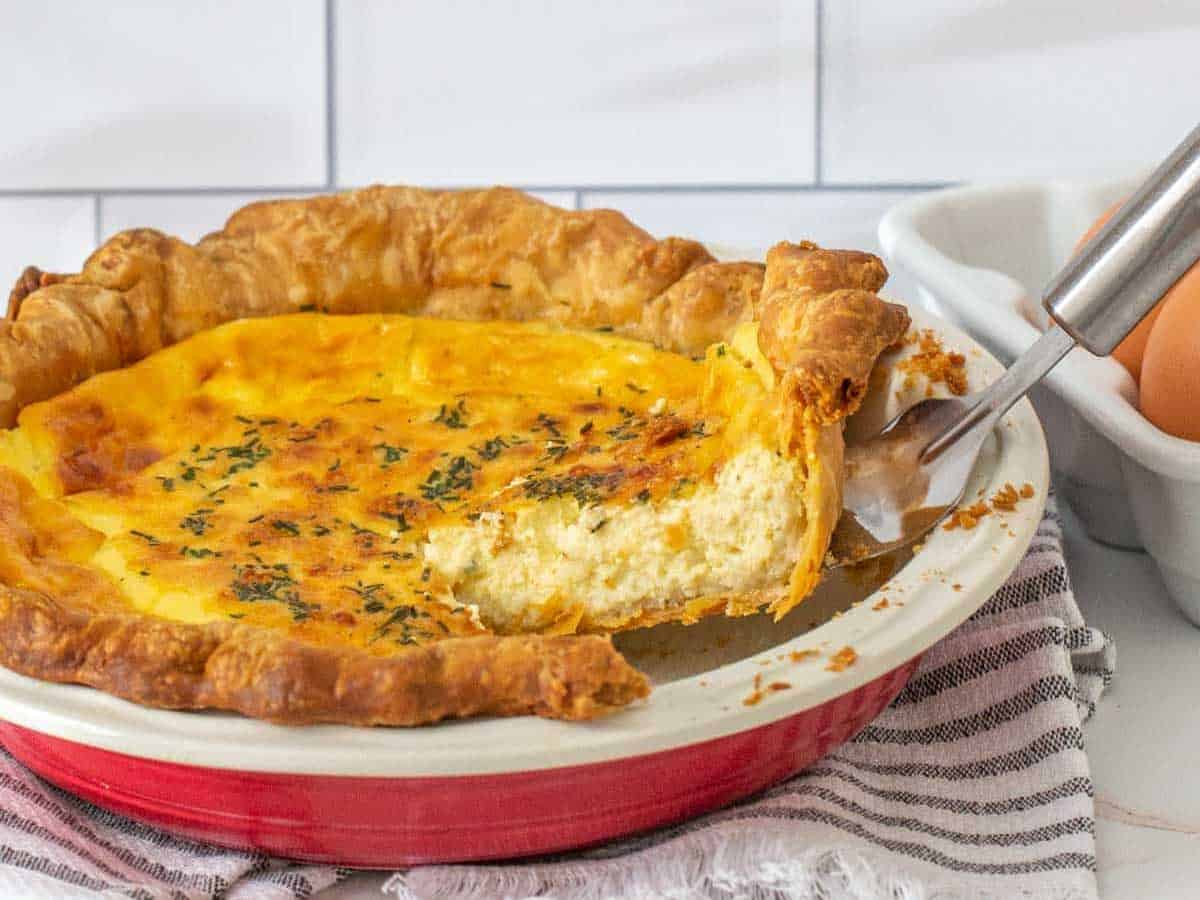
x: 397, y: 455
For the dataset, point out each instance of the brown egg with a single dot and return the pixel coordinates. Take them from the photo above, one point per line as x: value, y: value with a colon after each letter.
x: 1170, y: 386
x: 1131, y: 351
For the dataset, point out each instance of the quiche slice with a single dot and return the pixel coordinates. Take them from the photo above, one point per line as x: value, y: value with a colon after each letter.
x: 398, y: 455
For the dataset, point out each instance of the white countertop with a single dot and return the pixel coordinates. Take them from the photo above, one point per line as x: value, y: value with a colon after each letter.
x: 1141, y: 742
x: 1144, y: 736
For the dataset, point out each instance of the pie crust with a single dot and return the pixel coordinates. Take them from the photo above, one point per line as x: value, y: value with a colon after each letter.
x: 473, y: 255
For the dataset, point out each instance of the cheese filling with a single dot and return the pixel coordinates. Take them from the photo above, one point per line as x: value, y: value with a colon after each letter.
x: 383, y: 481
x: 739, y: 533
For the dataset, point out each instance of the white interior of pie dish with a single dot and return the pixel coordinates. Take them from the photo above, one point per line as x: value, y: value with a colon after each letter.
x: 980, y: 256
x: 702, y: 673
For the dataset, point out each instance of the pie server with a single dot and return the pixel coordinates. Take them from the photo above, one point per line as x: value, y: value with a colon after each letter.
x: 904, y: 480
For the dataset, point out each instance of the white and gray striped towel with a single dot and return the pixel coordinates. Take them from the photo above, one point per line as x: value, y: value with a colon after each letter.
x: 974, y: 783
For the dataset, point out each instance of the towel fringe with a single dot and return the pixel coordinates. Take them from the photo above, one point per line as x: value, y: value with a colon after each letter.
x: 707, y: 866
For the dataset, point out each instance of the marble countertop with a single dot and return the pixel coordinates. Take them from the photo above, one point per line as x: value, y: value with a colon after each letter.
x: 1141, y: 742
x: 1143, y: 739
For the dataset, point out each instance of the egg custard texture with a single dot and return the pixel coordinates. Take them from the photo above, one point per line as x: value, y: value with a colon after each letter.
x: 382, y: 481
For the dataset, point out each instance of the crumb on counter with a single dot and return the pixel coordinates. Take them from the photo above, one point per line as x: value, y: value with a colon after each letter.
x: 932, y: 360
x: 1027, y: 490
x: 842, y: 660
x: 801, y: 655
x: 882, y: 604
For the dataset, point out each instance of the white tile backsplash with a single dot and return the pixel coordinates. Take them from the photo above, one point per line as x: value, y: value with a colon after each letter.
x: 575, y: 93
x: 751, y: 221
x: 755, y: 219
x: 55, y: 234
x: 168, y: 94
x: 945, y: 90
x: 695, y: 116
x: 191, y: 216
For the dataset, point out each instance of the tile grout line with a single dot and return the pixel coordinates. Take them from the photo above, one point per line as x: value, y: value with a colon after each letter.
x: 819, y: 94
x: 749, y: 187
x: 158, y: 191
x: 330, y: 98
x: 732, y: 187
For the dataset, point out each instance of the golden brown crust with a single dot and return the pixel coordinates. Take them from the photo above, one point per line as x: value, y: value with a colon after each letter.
x: 468, y: 255
x: 471, y: 254
x: 27, y: 282
x: 823, y: 326
x: 702, y: 307
x: 262, y: 674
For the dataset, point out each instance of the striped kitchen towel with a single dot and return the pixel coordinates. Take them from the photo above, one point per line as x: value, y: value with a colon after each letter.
x: 973, y: 783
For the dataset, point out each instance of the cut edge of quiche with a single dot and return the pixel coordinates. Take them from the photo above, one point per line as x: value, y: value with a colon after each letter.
x: 457, y: 537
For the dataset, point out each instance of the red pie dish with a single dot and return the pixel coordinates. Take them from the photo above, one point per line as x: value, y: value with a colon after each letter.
x: 737, y: 705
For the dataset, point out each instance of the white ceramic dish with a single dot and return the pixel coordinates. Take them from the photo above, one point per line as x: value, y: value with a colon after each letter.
x: 980, y: 256
x: 702, y: 673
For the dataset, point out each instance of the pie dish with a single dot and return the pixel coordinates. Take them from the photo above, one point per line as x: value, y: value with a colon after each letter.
x: 493, y: 787
x: 397, y: 455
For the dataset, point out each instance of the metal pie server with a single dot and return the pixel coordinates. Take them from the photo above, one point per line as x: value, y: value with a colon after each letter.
x: 903, y: 481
